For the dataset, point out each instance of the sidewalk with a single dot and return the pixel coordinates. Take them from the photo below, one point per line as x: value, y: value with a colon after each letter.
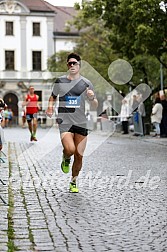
x: 104, y: 216
x: 146, y: 138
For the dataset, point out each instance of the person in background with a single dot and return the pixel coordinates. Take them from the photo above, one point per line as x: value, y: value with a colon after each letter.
x: 138, y: 111
x: 142, y: 112
x: 6, y: 116
x: 125, y: 113
x: 32, y: 108
x: 135, y: 103
x: 10, y: 117
x: 163, y: 124
x: 156, y: 116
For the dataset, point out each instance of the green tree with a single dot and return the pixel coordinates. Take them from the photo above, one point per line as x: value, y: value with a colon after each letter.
x: 136, y: 32
x: 138, y: 26
x: 57, y: 62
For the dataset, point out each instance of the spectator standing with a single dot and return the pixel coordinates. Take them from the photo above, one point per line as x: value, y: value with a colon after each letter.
x: 156, y: 116
x: 6, y: 116
x: 142, y: 112
x: 134, y: 111
x: 138, y: 110
x: 10, y: 117
x: 163, y: 124
x: 125, y: 113
x: 135, y: 103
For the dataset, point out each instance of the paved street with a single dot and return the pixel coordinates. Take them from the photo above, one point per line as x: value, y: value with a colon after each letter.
x: 121, y: 205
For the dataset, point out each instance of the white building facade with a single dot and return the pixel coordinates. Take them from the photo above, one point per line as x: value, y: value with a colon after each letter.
x: 31, y: 32
x: 27, y: 40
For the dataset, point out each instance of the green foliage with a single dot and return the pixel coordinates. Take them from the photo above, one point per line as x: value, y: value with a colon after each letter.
x: 134, y: 30
x: 138, y: 26
x: 146, y: 69
x: 57, y: 62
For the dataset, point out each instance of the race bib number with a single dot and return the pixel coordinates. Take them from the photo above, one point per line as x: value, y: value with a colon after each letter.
x: 73, y: 101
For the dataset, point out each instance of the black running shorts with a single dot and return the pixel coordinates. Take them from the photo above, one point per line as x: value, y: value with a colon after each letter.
x: 73, y: 129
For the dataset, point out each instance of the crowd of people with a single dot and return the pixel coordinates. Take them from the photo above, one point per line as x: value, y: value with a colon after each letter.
x: 129, y: 114
x: 8, y: 117
x: 136, y: 111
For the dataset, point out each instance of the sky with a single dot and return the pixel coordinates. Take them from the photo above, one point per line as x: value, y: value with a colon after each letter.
x: 63, y: 2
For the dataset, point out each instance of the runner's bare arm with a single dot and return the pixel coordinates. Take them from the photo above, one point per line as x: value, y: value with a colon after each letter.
x: 92, y: 99
x: 50, y: 109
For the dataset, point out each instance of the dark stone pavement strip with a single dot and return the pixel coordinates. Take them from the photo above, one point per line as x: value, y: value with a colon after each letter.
x: 121, y: 205
x: 4, y: 174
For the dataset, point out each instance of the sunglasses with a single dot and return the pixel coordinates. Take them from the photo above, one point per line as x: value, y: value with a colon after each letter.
x: 74, y: 63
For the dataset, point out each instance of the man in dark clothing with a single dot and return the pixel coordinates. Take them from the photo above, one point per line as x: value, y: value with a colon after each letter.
x: 163, y: 125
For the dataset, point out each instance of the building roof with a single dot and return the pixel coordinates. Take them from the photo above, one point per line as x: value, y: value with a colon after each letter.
x: 63, y: 15
x: 37, y: 5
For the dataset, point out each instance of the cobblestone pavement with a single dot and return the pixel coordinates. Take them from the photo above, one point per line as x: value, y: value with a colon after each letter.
x: 121, y: 205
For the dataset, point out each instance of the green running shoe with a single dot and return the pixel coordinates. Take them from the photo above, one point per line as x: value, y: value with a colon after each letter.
x: 73, y: 188
x: 65, y: 165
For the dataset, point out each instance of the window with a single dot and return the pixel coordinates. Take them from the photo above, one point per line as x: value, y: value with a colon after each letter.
x: 36, y: 61
x: 9, y: 28
x: 9, y: 60
x: 36, y: 29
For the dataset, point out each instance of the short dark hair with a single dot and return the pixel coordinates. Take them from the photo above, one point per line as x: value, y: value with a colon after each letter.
x: 157, y: 100
x: 73, y: 55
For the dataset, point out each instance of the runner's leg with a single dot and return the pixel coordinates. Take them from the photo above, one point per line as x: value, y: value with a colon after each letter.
x: 80, y: 145
x: 30, y: 126
x: 67, y: 139
x: 34, y: 126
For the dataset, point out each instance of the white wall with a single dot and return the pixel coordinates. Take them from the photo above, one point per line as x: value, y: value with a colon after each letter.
x: 10, y: 42
x: 36, y: 43
x: 65, y: 44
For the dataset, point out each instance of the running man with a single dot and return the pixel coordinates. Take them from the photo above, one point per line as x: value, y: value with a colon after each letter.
x: 32, y: 107
x: 72, y: 90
